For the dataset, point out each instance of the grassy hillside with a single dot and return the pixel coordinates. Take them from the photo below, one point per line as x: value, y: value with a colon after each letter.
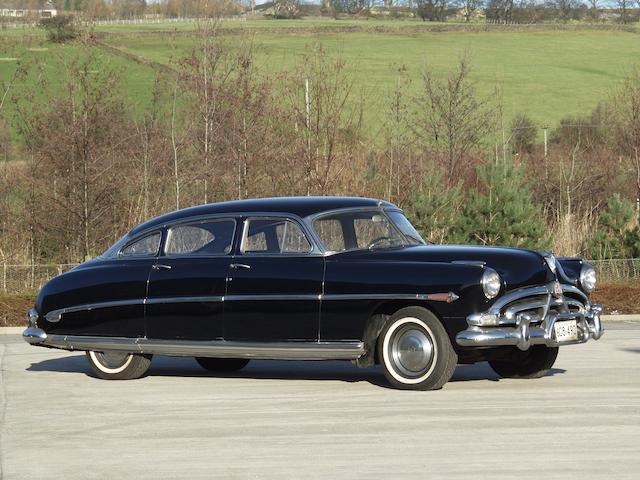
x: 545, y: 73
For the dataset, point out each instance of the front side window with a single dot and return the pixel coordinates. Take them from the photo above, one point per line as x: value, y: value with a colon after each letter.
x: 275, y: 236
x: 146, y: 246
x: 365, y: 229
x: 212, y: 237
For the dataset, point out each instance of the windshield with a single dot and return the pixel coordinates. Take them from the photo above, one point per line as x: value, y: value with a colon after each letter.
x: 365, y: 229
x: 406, y: 228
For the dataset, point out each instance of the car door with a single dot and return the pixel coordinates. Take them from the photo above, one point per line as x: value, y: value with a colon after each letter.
x: 275, y: 282
x: 187, y: 284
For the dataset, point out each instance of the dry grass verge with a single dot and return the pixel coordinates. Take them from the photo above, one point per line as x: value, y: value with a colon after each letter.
x: 13, y: 309
x: 619, y: 298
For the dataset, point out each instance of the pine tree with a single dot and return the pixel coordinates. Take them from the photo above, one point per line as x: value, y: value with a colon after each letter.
x: 434, y: 207
x: 617, y: 236
x: 502, y: 211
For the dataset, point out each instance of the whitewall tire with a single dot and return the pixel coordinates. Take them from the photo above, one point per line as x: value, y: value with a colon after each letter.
x: 118, y: 365
x: 415, y: 351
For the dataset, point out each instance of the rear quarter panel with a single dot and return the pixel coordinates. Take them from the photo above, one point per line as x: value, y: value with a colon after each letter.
x: 94, y: 283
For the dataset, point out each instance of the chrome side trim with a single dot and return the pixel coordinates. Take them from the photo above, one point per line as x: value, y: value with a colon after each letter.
x: 55, y: 315
x: 238, y: 298
x: 197, y: 299
x: 438, y: 297
x: 205, y: 348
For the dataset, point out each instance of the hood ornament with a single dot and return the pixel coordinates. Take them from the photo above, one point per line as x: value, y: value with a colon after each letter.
x: 551, y: 262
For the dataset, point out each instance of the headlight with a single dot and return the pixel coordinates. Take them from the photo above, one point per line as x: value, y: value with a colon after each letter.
x: 588, y: 278
x: 491, y: 283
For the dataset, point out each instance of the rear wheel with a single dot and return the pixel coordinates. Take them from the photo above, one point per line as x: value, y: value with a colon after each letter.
x: 118, y: 365
x: 415, y: 351
x: 532, y: 363
x: 222, y: 364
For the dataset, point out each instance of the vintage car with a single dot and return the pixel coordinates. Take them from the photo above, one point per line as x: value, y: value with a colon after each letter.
x: 314, y: 278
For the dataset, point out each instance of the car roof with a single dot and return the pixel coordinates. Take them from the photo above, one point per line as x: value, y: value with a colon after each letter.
x: 299, y: 206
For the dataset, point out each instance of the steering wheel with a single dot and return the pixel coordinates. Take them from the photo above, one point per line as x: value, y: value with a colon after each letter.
x: 378, y: 240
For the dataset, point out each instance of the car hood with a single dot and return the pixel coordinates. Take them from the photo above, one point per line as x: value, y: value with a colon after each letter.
x: 518, y: 267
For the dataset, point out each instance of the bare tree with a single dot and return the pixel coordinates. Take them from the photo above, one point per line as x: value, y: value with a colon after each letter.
x: 470, y: 8
x: 594, y: 10
x: 77, y: 140
x: 327, y: 114
x: 397, y: 135
x: 206, y: 75
x: 624, y: 122
x: 623, y: 10
x: 432, y: 10
x: 450, y: 117
x: 286, y: 8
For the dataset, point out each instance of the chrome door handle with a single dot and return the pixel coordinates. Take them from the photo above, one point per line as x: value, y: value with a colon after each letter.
x: 159, y: 266
x: 238, y: 266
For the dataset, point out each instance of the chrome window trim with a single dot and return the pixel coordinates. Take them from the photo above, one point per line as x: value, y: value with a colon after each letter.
x: 312, y: 218
x: 313, y: 252
x: 170, y: 227
x: 137, y: 239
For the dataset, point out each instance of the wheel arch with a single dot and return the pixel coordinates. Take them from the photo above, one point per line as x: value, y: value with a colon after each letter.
x: 377, y: 321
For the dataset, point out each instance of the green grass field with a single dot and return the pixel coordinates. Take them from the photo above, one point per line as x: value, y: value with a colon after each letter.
x: 547, y: 74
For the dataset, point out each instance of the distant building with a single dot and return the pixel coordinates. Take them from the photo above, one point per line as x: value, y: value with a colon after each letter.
x: 47, y: 10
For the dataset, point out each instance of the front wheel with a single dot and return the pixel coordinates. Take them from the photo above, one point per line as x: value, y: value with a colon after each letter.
x: 415, y: 350
x: 118, y: 365
x: 532, y: 363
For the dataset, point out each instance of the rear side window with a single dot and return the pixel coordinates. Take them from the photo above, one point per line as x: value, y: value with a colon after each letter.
x: 274, y: 235
x: 146, y: 246
x: 214, y: 237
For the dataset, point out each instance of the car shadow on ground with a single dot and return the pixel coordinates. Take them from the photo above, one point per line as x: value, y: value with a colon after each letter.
x: 163, y: 366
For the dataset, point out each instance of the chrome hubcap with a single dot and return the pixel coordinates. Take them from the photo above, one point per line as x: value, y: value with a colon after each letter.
x: 412, y: 351
x: 112, y: 359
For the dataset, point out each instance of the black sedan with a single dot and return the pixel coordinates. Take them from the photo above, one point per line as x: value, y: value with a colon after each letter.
x: 314, y: 278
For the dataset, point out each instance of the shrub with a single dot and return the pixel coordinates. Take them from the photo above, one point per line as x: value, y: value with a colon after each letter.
x: 523, y: 133
x: 60, y: 28
x: 618, y: 235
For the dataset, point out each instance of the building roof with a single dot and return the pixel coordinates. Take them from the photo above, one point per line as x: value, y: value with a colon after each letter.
x: 300, y: 206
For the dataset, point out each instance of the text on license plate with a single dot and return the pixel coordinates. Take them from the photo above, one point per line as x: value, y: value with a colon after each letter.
x: 566, y: 330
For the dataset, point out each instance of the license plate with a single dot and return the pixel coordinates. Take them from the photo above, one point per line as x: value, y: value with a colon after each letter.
x: 566, y: 331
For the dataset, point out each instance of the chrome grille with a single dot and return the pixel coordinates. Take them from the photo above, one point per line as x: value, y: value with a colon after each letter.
x: 538, y: 308
x: 538, y: 303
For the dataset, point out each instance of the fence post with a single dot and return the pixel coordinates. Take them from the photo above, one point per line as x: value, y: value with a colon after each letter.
x: 4, y: 277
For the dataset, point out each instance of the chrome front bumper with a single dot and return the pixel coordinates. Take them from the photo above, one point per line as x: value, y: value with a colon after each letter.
x: 34, y: 335
x: 510, y: 328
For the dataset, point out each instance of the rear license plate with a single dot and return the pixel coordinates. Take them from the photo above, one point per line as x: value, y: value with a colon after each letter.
x: 566, y: 331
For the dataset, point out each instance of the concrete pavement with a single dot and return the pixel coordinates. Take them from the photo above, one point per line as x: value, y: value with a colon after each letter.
x: 320, y: 419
